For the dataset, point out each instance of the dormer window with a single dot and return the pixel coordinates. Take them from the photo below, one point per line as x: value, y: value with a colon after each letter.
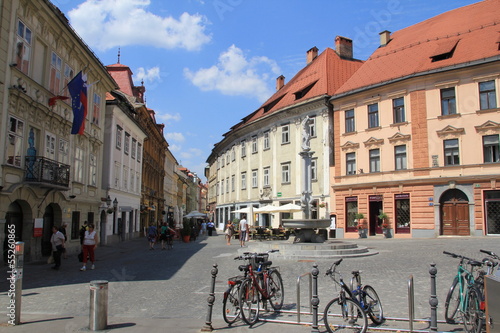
x: 444, y: 50
x: 301, y: 93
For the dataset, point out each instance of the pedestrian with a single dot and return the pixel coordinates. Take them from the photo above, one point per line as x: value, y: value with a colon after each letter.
x: 89, y: 245
x: 57, y: 240
x: 243, y: 231
x: 165, y: 236
x: 152, y: 234
x: 82, y: 232
x: 63, y: 231
x: 203, y: 228
x: 210, y: 226
x: 229, y: 231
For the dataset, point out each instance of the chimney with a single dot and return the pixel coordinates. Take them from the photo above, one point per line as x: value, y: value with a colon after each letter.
x: 280, y: 82
x: 311, y: 55
x: 385, y: 37
x: 343, y: 46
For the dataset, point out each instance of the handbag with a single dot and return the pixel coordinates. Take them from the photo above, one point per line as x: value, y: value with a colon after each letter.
x: 50, y: 260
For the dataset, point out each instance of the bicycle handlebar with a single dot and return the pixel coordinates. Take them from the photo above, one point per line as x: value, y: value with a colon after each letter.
x: 490, y: 253
x: 454, y: 255
x: 249, y: 255
x: 332, y: 268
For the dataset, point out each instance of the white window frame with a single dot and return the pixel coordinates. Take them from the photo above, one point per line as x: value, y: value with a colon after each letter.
x: 92, y: 170
x: 285, y: 134
x: 15, y: 142
x: 78, y: 165
x: 285, y: 173
x: 266, y: 141
x: 266, y: 172
x: 255, y: 178
x: 244, y: 180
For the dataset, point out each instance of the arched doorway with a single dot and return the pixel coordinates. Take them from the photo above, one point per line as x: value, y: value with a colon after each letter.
x: 48, y: 223
x: 13, y: 221
x: 454, y: 213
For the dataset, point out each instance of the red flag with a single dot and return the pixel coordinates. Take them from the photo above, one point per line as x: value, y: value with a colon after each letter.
x: 78, y: 90
x: 52, y: 100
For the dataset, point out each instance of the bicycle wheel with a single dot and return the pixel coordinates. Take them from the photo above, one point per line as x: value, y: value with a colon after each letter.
x: 249, y: 299
x: 373, y: 305
x: 345, y: 316
x: 473, y: 316
x: 230, y: 305
x: 275, y: 289
x: 452, y: 303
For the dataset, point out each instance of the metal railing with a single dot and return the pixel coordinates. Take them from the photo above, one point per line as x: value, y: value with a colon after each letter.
x: 39, y: 169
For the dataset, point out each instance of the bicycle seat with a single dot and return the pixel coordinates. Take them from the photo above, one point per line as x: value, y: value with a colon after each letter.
x: 266, y: 263
x: 243, y: 268
x: 475, y: 263
x: 355, y: 273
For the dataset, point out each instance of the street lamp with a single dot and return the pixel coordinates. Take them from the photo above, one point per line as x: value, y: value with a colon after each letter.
x: 108, y: 201
x: 115, y: 203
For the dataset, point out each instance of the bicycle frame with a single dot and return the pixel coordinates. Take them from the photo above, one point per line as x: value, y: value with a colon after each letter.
x: 260, y: 276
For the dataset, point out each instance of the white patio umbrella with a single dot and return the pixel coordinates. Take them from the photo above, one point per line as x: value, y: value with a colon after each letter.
x: 266, y: 209
x: 195, y: 214
x: 288, y: 208
x: 245, y: 210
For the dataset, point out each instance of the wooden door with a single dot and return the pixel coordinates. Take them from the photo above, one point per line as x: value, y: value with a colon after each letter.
x: 455, y: 218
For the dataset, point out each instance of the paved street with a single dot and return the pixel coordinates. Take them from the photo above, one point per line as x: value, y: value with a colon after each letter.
x: 154, y: 290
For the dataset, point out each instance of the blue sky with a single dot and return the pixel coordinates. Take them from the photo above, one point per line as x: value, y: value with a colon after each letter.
x: 206, y: 64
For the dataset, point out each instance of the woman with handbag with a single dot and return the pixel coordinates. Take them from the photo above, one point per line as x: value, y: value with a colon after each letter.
x: 89, y: 245
x: 57, y: 241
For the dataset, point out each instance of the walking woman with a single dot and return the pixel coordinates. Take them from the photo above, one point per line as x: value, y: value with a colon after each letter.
x: 89, y: 245
x: 229, y: 231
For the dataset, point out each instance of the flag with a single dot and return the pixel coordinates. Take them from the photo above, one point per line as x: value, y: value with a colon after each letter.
x: 78, y: 90
x: 52, y: 100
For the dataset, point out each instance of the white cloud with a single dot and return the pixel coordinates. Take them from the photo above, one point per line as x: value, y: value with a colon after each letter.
x: 190, y: 153
x: 177, y: 137
x: 174, y: 148
x: 236, y: 75
x: 150, y: 75
x: 127, y: 22
x: 165, y: 117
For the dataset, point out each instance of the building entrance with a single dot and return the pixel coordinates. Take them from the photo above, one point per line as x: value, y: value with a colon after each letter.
x: 454, y: 213
x: 375, y: 207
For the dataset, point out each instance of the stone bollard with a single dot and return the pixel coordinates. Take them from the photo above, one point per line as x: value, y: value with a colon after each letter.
x: 433, y: 301
x: 315, y: 299
x: 211, y: 299
x: 98, y: 317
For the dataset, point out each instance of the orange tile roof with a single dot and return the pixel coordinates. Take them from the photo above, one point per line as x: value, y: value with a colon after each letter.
x: 326, y: 73
x: 473, y: 30
x: 123, y: 77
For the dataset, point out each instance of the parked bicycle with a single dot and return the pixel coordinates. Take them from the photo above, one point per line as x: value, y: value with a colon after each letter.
x: 465, y: 300
x: 344, y: 313
x: 368, y: 298
x: 231, y: 303
x: 263, y: 283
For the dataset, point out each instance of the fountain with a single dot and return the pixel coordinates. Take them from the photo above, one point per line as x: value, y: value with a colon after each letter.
x: 305, y: 229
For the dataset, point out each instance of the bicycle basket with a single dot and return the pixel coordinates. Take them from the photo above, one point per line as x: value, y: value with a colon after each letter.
x: 256, y: 260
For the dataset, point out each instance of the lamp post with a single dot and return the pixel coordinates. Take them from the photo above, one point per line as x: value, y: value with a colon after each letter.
x: 115, y: 205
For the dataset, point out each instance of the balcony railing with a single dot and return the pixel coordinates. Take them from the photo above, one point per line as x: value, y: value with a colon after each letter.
x: 46, y: 172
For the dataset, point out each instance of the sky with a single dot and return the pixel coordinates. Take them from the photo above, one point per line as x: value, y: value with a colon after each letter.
x: 206, y: 64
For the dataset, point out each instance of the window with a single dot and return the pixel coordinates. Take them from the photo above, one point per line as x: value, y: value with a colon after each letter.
x: 398, y: 110
x: 266, y: 141
x: 15, y: 142
x: 23, y: 47
x: 222, y: 187
x: 139, y: 152
x: 491, y: 149
x: 314, y: 169
x: 349, y: 121
x: 134, y: 147
x: 266, y: 172
x: 55, y: 73
x: 68, y: 75
x: 254, y: 144
x: 126, y: 146
x: 78, y: 165
x: 400, y: 157
x: 312, y: 127
x: 132, y: 178
x: 137, y: 182
x: 233, y: 154
x: 119, y: 131
x: 350, y: 163
x: 402, y: 212
x: 92, y: 170
x: 374, y: 160
x: 243, y: 180
x: 351, y: 209
x: 233, y: 183
x: 223, y: 160
x: 451, y: 156
x: 285, y: 173
x: 227, y: 185
x: 63, y: 151
x: 75, y: 225
x: 243, y: 148
x: 96, y: 110
x: 117, y: 175
x: 125, y: 177
x: 285, y: 134
x: 227, y: 157
x: 487, y: 96
x: 373, y: 115
x: 50, y: 146
x: 448, y: 103
x: 255, y: 179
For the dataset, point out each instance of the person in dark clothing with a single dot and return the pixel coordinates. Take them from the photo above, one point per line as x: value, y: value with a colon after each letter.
x: 62, y: 229
x: 82, y: 232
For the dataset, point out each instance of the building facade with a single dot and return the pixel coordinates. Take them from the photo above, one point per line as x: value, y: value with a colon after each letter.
x: 258, y: 161
x: 48, y: 176
x: 417, y: 130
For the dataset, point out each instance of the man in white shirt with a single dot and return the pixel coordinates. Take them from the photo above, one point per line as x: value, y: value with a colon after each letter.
x: 243, y: 231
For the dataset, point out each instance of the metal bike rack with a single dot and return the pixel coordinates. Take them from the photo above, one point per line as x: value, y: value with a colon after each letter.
x: 298, y: 294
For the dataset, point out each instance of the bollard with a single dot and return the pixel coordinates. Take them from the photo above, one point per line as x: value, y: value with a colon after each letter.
x: 411, y: 302
x: 211, y: 299
x: 98, y: 318
x: 315, y: 299
x: 433, y: 301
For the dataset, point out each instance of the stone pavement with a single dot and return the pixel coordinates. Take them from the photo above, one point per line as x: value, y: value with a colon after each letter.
x: 158, y: 291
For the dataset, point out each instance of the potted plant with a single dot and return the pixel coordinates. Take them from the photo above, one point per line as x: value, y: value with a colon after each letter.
x: 362, y: 225
x: 386, y: 225
x: 186, y: 232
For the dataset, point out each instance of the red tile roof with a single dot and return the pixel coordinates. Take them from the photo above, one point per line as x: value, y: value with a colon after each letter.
x: 473, y: 30
x: 123, y: 77
x: 324, y: 75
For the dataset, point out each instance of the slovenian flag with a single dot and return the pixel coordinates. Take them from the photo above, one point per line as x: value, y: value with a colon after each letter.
x: 78, y: 90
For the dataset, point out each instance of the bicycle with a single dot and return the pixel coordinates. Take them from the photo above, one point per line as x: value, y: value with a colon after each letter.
x: 230, y: 303
x: 466, y: 301
x: 344, y: 313
x: 263, y: 283
x: 368, y: 298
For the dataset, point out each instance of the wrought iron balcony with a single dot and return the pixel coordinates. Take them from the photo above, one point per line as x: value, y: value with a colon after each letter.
x: 46, y: 172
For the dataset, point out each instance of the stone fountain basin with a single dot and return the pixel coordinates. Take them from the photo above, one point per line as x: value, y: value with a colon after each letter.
x: 306, y: 223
